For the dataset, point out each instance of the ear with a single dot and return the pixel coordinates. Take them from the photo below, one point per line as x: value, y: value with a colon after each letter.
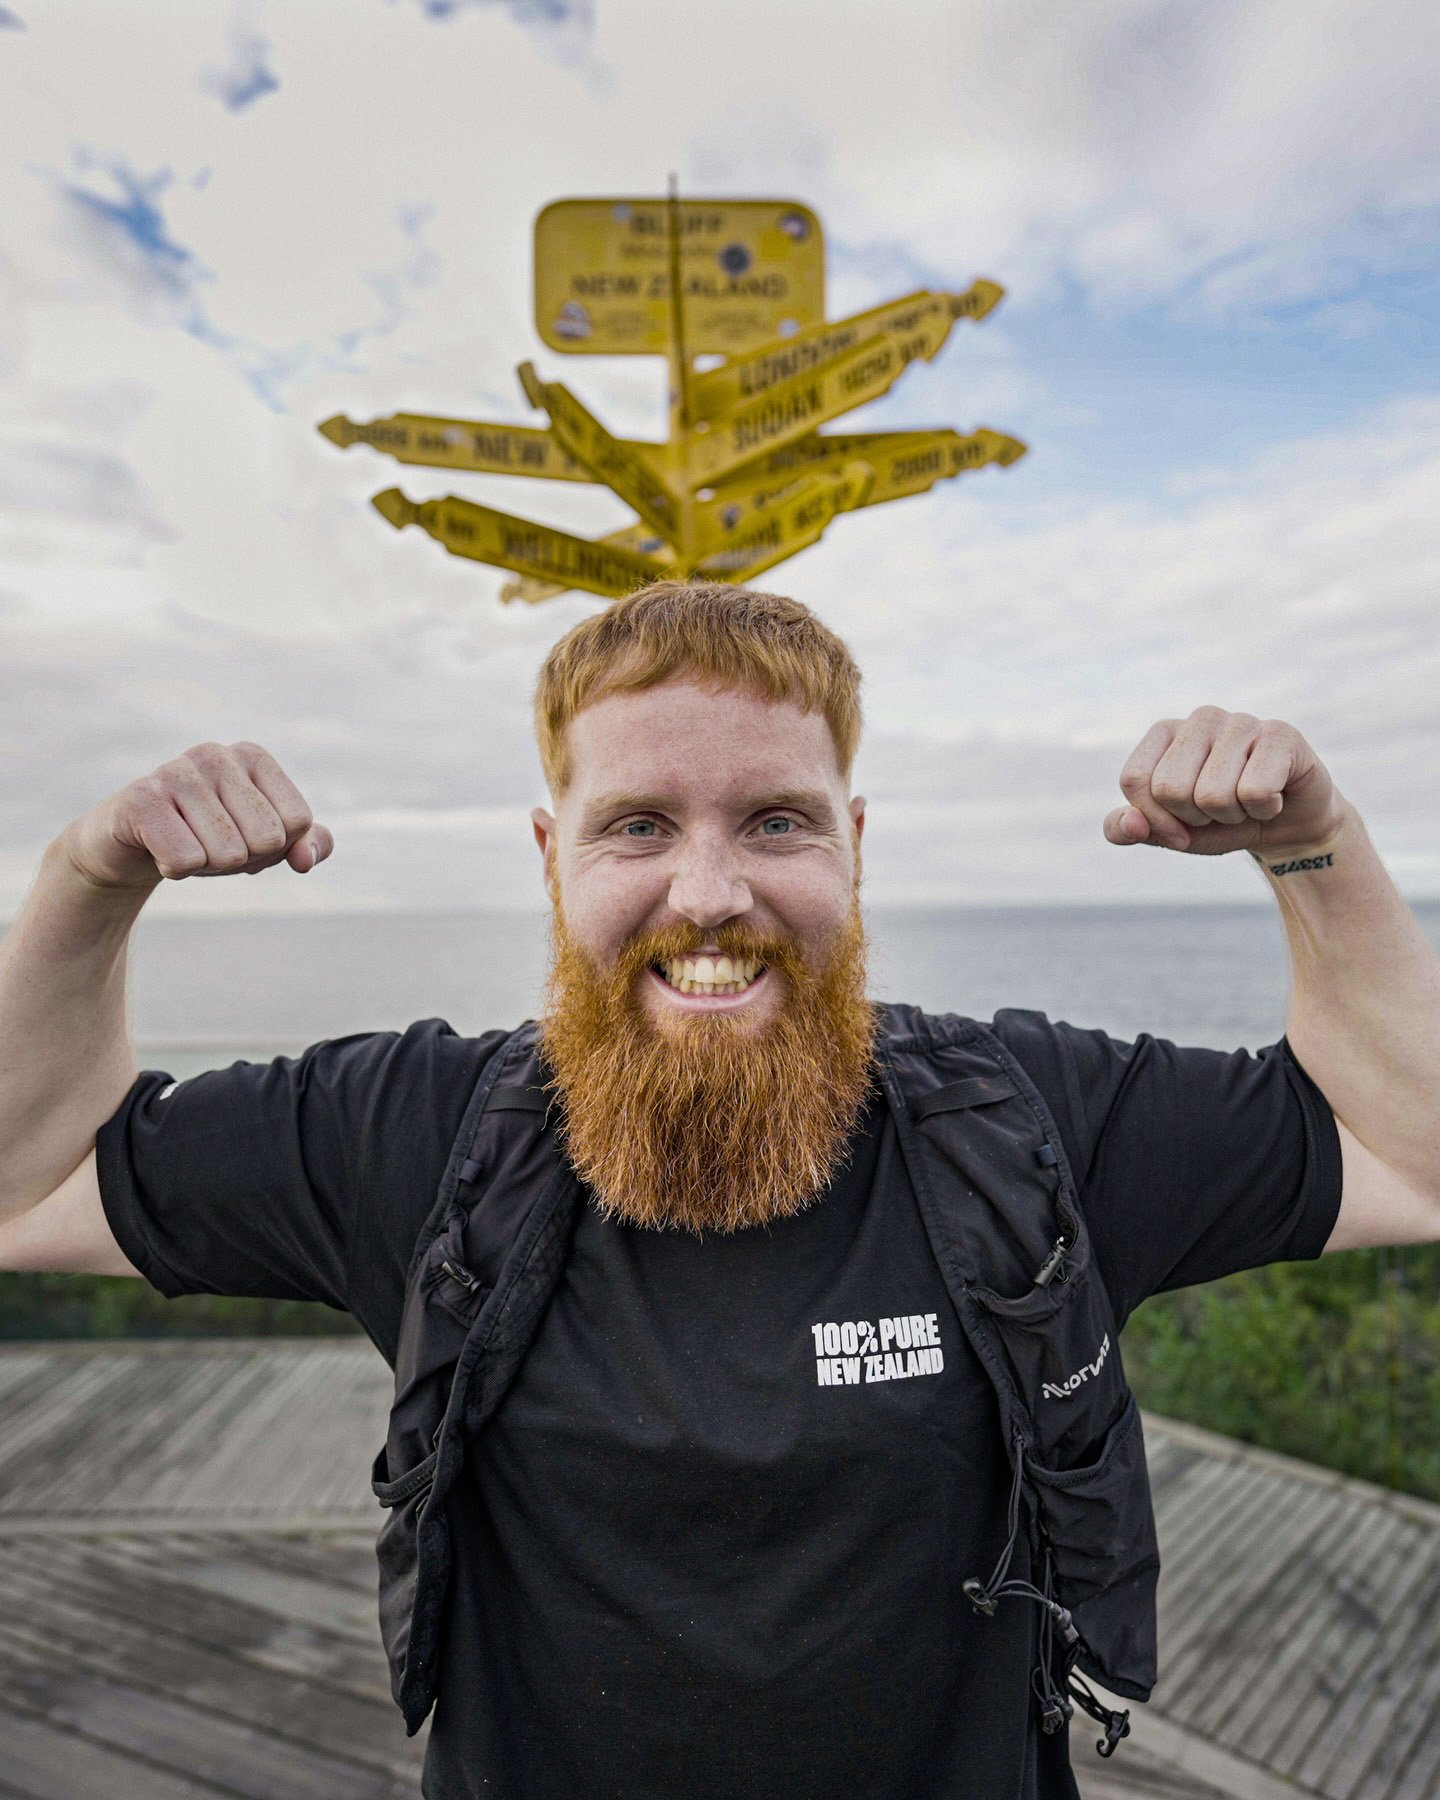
x: 857, y: 815
x: 545, y: 836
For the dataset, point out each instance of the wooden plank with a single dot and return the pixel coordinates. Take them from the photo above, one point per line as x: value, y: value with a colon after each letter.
x: 49, y: 1764
x: 1218, y: 1503
x: 1357, y: 1607
x: 1401, y: 1651
x: 345, y: 1560
x: 19, y: 1369
x: 100, y: 1425
x: 1170, y: 1467
x: 1133, y: 1775
x: 243, y: 1457
x: 57, y: 1634
x: 219, y: 1565
x: 1274, y: 1696
x: 191, y: 1458
x: 1263, y: 1632
x: 45, y: 1412
x: 1404, y: 1764
x: 194, y: 1743
x: 1249, y: 1557
x: 246, y: 1430
x: 108, y: 1587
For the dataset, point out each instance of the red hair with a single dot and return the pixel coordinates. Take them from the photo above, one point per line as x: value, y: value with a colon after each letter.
x: 731, y: 637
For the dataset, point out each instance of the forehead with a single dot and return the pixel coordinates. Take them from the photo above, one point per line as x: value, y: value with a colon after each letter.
x: 701, y: 739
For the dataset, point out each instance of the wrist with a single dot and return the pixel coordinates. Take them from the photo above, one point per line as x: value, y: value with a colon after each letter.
x: 62, y: 864
x: 1317, y: 850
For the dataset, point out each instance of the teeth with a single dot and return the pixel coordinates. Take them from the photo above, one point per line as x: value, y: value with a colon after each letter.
x: 712, y: 975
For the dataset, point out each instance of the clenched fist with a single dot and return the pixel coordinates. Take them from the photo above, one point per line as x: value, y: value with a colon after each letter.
x: 213, y: 810
x: 1221, y: 781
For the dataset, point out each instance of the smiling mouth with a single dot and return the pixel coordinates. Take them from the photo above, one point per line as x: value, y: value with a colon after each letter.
x: 712, y: 977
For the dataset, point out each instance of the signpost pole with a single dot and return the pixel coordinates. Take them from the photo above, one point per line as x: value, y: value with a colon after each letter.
x: 679, y: 360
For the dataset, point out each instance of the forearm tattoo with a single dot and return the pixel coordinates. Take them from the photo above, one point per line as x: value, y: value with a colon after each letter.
x: 1297, y: 863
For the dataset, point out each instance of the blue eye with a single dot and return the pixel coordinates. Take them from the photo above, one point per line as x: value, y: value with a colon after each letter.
x: 776, y: 819
x: 633, y: 822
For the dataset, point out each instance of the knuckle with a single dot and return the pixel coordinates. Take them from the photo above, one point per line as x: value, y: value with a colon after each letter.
x: 1132, y: 782
x: 1168, y: 790
x: 1214, y: 799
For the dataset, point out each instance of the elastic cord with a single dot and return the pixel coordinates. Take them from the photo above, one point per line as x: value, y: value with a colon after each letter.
x: 1056, y: 1707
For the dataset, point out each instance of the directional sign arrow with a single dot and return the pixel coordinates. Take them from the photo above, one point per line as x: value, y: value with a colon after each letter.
x: 459, y: 444
x: 630, y: 537
x: 621, y: 466
x: 808, y: 352
x: 485, y: 535
x: 791, y: 409
x: 914, y: 467
x: 794, y: 521
x: 905, y: 462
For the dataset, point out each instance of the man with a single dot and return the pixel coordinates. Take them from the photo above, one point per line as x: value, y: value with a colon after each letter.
x: 683, y: 1567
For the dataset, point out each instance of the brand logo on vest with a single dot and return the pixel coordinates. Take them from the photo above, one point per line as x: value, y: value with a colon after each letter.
x: 1066, y: 1388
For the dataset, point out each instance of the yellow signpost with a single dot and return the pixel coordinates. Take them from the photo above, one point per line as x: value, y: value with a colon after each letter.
x: 482, y: 533
x: 746, y: 478
x: 750, y: 270
x: 460, y: 444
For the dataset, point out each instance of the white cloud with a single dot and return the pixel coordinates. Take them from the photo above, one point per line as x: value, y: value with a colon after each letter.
x: 185, y: 288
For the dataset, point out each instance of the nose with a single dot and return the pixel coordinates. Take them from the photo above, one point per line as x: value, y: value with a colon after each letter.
x: 707, y: 886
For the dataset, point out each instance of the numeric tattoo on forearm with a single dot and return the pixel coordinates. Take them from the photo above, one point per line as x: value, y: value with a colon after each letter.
x: 1297, y: 863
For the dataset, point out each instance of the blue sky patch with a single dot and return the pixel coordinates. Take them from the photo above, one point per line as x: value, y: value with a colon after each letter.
x: 246, y: 77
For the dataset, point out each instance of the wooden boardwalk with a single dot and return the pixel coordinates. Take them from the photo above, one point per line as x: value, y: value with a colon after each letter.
x: 187, y: 1597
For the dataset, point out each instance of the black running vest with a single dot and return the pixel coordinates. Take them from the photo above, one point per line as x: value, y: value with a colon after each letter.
x: 997, y: 1196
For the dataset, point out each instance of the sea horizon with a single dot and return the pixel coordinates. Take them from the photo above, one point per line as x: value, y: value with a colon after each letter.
x: 1208, y: 972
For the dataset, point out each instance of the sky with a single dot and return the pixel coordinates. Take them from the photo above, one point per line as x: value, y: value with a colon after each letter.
x: 222, y: 221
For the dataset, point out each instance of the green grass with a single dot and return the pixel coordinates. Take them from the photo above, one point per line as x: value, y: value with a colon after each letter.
x: 107, y: 1306
x: 1336, y: 1361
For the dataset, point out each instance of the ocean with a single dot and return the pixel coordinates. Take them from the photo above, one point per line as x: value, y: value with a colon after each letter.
x: 206, y: 992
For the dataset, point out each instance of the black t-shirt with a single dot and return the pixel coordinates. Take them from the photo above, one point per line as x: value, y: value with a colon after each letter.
x: 690, y: 1566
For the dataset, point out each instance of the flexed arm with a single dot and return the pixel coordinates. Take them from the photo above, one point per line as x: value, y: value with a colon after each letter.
x: 1364, y: 1017
x: 66, y: 1060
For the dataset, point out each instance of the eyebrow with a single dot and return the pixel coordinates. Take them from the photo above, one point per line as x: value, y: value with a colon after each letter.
x: 806, y: 800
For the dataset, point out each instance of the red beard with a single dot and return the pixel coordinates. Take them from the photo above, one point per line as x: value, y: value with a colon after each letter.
x: 707, y: 1124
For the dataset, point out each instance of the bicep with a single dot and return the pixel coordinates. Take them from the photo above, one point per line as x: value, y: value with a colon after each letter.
x: 1376, y: 1206
x: 67, y: 1233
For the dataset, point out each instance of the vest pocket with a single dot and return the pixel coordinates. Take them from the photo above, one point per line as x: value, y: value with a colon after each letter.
x: 410, y: 1536
x: 1100, y: 1525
